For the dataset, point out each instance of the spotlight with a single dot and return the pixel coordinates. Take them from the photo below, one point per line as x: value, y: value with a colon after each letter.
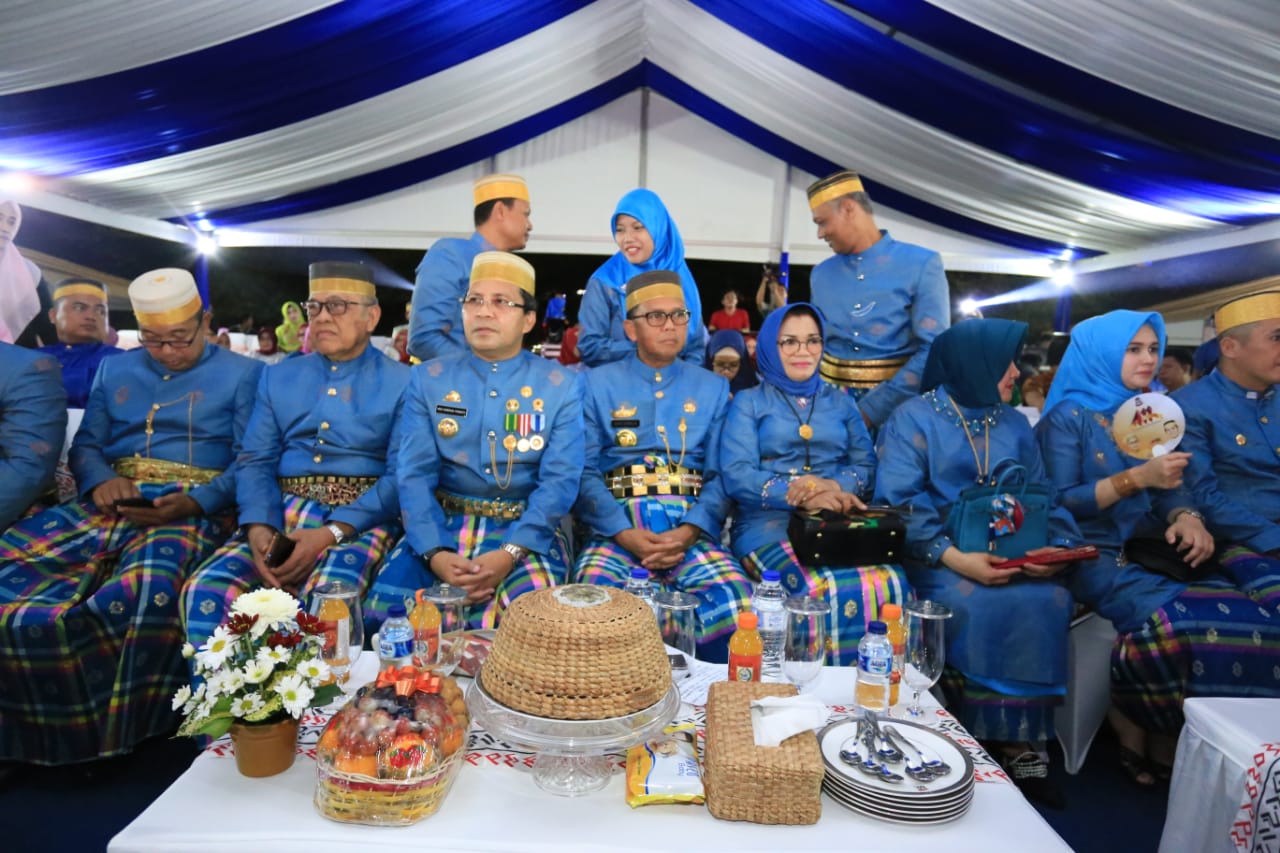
x: 1063, y: 275
x: 969, y: 306
x: 16, y: 183
x: 206, y: 244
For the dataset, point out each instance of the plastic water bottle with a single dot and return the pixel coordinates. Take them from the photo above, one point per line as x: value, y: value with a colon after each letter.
x: 770, y: 606
x: 875, y: 663
x: 639, y: 585
x: 395, y: 639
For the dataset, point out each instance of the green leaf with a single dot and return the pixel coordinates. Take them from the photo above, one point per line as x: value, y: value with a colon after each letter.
x: 325, y: 694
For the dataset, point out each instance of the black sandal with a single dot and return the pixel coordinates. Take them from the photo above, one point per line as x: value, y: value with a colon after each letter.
x: 1136, y: 767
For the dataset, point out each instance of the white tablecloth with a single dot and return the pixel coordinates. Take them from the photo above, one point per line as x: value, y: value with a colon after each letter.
x: 1225, y: 792
x: 496, y: 806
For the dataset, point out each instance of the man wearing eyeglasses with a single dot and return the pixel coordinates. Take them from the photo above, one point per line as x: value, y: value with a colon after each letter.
x: 651, y: 491
x: 79, y: 315
x: 318, y: 465
x: 490, y: 458
x: 89, y: 589
x: 502, y: 224
x: 884, y: 301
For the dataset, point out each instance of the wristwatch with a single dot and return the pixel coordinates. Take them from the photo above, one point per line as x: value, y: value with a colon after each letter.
x: 517, y: 553
x: 338, y: 535
x: 1190, y: 512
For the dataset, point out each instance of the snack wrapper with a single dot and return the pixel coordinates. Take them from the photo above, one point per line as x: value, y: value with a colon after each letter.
x: 664, y: 770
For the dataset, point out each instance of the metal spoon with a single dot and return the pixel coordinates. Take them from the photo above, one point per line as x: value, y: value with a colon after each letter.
x: 882, y: 747
x: 934, y: 765
x: 853, y: 758
x: 869, y: 738
x: 916, y: 771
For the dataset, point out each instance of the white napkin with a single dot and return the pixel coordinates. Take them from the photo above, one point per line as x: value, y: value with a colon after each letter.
x: 776, y: 718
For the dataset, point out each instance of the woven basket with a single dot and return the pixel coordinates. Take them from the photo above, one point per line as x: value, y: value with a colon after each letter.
x: 355, y: 798
x: 577, y: 652
x: 761, y: 784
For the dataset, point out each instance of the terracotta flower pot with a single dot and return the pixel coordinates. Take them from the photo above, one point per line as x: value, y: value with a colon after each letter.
x: 265, y: 749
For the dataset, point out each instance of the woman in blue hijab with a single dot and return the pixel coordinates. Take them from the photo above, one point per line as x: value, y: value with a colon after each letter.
x: 727, y: 356
x: 1176, y: 639
x: 795, y: 442
x: 647, y: 240
x: 1007, y: 638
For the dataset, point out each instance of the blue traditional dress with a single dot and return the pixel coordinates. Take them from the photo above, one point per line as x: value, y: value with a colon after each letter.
x: 1006, y: 645
x: 1209, y: 638
x: 435, y: 318
x: 763, y: 451
x: 883, y: 309
x: 602, y: 339
x: 321, y: 446
x: 490, y: 453
x: 89, y: 602
x: 33, y: 425
x: 79, y: 366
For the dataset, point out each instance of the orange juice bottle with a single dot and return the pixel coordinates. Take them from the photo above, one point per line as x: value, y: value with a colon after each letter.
x: 746, y: 650
x: 425, y: 619
x: 337, y: 637
x: 892, y: 616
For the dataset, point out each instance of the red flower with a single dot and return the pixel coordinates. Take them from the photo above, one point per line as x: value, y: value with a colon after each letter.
x: 240, y: 623
x: 310, y: 624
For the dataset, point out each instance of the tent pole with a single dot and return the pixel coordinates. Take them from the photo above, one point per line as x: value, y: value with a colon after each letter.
x: 643, y: 176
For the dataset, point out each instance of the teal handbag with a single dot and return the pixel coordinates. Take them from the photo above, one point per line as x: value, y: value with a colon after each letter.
x: 1008, y: 516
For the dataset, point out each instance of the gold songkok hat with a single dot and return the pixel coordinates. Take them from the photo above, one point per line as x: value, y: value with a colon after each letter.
x: 89, y: 287
x: 341, y: 277
x: 491, y: 187
x: 1247, y: 309
x: 504, y: 267
x: 833, y: 186
x: 654, y: 284
x: 165, y: 296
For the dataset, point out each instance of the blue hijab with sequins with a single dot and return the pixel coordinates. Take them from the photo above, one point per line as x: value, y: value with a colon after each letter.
x: 769, y: 359
x: 971, y: 358
x: 1090, y: 369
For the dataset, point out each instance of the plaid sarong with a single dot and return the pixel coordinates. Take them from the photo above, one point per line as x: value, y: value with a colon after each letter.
x: 709, y: 572
x: 404, y: 572
x: 207, y: 596
x: 1256, y: 575
x: 90, y: 629
x: 1212, y: 640
x: 855, y: 594
x: 997, y: 717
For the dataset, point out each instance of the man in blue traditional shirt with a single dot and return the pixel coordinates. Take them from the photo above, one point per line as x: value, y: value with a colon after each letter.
x: 79, y: 314
x: 884, y: 301
x: 33, y: 425
x: 89, y: 589
x: 651, y: 490
x: 1233, y: 426
x: 502, y: 224
x: 318, y: 465
x: 490, y: 458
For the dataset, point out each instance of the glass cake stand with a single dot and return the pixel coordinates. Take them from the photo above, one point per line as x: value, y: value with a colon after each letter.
x: 571, y: 753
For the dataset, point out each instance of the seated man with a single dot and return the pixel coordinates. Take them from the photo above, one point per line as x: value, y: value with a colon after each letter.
x: 318, y: 462
x: 33, y: 421
x: 89, y: 589
x: 79, y: 314
x: 490, y: 458
x: 648, y: 503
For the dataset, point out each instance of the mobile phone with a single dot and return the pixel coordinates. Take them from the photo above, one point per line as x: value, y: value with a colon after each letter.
x: 136, y: 503
x: 279, y: 550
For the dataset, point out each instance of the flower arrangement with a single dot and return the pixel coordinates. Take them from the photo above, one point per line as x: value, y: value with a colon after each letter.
x: 262, y: 664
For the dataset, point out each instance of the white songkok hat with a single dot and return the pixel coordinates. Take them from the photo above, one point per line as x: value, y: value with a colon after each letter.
x: 165, y: 296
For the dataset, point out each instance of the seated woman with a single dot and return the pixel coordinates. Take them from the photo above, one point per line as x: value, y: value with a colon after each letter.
x: 727, y: 356
x: 647, y: 240
x: 1007, y: 640
x: 795, y: 442
x: 1176, y: 640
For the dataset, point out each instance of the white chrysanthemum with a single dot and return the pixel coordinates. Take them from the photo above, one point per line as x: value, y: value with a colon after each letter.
x: 271, y: 606
x: 250, y: 703
x: 314, y: 670
x: 295, y: 694
x: 195, y: 700
x: 273, y: 655
x: 181, y: 697
x: 232, y: 680
x: 215, y: 685
x: 188, y: 651
x: 258, y: 671
x: 213, y: 653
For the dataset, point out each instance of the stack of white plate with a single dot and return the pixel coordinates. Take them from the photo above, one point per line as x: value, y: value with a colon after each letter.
x: 910, y: 801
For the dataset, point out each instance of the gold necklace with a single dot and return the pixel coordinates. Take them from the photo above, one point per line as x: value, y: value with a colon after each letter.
x: 985, y: 464
x: 509, y: 443
x: 805, y: 430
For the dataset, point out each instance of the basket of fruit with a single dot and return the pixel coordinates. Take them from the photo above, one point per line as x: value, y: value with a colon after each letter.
x: 390, y: 755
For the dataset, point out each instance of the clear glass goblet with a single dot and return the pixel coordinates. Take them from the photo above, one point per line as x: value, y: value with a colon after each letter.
x: 805, y: 651
x: 926, y: 652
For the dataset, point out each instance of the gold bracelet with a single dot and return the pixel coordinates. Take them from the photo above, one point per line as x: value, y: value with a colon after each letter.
x: 1124, y: 484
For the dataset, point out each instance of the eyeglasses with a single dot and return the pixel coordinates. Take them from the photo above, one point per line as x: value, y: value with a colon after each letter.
x: 726, y: 364
x: 335, y: 307
x: 658, y: 319
x: 497, y: 304
x: 176, y: 346
x: 791, y: 346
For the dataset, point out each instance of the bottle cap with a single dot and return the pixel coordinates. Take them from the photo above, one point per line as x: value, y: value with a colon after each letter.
x: 877, y: 627
x: 396, y: 611
x: 747, y: 621
x: 891, y: 612
x: 771, y: 576
x: 639, y: 574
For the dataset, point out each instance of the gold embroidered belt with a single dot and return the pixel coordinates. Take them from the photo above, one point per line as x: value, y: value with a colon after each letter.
x: 639, y: 481
x: 331, y: 490
x: 487, y: 507
x: 159, y: 471
x: 859, y: 374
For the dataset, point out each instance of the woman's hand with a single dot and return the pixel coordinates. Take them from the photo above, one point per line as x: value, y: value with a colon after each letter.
x: 978, y: 567
x: 836, y: 501
x: 806, y: 487
x: 1162, y: 472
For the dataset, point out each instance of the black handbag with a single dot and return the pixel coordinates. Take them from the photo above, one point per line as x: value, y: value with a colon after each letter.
x: 833, y: 539
x: 1157, y: 555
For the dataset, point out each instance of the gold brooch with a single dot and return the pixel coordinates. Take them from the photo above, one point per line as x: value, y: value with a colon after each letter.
x: 447, y: 428
x: 625, y: 410
x: 453, y: 397
x: 627, y: 438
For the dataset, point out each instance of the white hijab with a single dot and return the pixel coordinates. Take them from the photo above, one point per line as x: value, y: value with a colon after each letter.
x: 19, y: 297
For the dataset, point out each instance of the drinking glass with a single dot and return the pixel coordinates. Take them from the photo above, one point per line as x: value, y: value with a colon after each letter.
x: 449, y: 600
x: 926, y: 652
x: 337, y: 604
x: 677, y: 618
x: 806, y: 642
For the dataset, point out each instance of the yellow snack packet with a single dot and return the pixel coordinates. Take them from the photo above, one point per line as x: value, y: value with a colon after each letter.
x: 665, y: 770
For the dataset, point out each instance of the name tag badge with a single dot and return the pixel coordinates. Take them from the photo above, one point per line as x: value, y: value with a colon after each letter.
x: 625, y: 422
x: 455, y: 411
